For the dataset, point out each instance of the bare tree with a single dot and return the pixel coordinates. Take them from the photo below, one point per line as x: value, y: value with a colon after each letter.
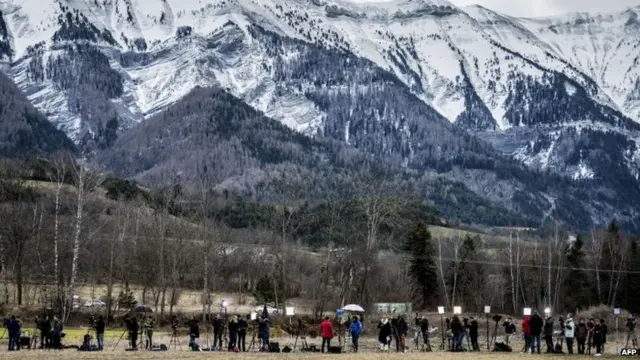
x: 58, y: 176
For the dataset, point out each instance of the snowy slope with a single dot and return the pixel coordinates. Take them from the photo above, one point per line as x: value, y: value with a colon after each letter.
x: 426, y: 43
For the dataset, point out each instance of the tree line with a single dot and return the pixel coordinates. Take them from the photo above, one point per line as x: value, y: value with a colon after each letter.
x: 67, y: 226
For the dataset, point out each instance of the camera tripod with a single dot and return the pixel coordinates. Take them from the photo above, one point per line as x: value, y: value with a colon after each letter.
x: 253, y: 340
x: 303, y: 339
x: 138, y: 344
x: 419, y: 342
x: 175, y: 340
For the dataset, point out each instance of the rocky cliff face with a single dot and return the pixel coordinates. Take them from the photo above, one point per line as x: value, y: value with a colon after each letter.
x: 400, y: 80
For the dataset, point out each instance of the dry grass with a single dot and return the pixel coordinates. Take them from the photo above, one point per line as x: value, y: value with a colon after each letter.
x: 368, y: 351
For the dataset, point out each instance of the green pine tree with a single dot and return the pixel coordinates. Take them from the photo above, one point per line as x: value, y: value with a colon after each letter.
x: 126, y: 299
x: 471, y: 272
x: 422, y: 267
x: 575, y: 284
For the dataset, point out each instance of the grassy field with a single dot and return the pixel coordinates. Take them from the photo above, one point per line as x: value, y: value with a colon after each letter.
x: 368, y: 350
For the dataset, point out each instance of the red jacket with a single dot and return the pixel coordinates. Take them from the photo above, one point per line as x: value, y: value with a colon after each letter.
x: 525, y: 325
x: 326, y: 329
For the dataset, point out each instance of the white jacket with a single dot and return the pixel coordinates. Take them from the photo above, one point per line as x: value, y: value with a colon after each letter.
x: 569, y: 328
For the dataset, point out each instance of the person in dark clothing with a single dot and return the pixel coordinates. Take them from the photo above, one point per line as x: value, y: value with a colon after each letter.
x: 600, y: 336
x: 509, y: 329
x: 194, y: 333
x: 457, y: 328
x: 133, y: 328
x: 243, y: 325
x: 535, y: 326
x: 44, y: 326
x: 402, y: 329
x: 424, y: 329
x: 100, y: 325
x: 218, y: 330
x: 13, y: 330
x: 590, y: 329
x: 148, y: 330
x: 264, y: 331
x: 394, y: 331
x: 548, y: 334
x: 581, y: 336
x: 384, y: 334
x: 56, y: 334
x: 473, y: 333
x: 234, y: 326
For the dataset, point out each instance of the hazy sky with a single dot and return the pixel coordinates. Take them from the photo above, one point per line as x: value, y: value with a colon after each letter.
x: 544, y: 7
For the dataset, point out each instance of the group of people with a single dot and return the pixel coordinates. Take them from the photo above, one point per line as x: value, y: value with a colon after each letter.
x: 237, y: 328
x: 586, y: 334
x: 396, y: 330
x: 134, y: 328
x: 461, y: 330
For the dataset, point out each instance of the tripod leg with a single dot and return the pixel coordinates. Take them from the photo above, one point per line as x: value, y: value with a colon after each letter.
x: 118, y: 342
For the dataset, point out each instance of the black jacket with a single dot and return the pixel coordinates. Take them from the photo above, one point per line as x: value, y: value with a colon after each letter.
x: 424, y: 325
x: 384, y: 331
x: 473, y: 328
x: 194, y: 328
x: 100, y: 326
x: 401, y: 327
x: 509, y: 327
x: 535, y: 324
x: 233, y: 327
x: 218, y: 326
x: 456, y: 326
x: 548, y: 328
x: 242, y: 326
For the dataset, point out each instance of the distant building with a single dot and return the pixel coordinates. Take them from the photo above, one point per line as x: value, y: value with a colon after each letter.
x: 393, y: 308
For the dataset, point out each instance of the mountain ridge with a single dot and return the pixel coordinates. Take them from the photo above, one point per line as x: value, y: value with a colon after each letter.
x: 497, y: 77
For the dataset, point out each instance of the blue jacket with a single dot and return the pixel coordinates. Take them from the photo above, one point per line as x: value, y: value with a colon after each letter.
x: 13, y: 327
x: 356, y: 328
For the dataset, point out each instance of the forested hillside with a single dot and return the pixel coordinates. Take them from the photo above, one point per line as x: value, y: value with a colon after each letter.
x: 23, y: 130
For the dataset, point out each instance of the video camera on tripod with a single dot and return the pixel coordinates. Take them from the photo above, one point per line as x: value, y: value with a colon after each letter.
x: 631, y: 323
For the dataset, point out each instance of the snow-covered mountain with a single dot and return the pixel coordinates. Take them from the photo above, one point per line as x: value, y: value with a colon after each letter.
x: 559, y: 93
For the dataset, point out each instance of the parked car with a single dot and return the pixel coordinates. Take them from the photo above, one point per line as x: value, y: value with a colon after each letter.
x: 95, y: 303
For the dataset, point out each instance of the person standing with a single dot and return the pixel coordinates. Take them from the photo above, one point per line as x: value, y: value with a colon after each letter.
x: 569, y: 333
x: 526, y: 329
x: 263, y: 334
x: 326, y: 332
x: 402, y: 329
x: 194, y: 333
x: 355, y: 329
x: 548, y: 334
x: 56, y: 333
x: 134, y: 328
x: 581, y: 336
x: 473, y: 333
x: 148, y: 329
x: 394, y: 332
x: 509, y: 329
x: 44, y: 326
x: 384, y: 334
x: 100, y: 325
x: 12, y: 329
x: 535, y: 325
x: 243, y: 325
x: 234, y: 326
x: 590, y: 334
x: 218, y: 329
x: 457, y: 329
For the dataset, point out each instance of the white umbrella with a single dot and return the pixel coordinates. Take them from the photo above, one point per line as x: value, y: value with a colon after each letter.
x: 353, y: 308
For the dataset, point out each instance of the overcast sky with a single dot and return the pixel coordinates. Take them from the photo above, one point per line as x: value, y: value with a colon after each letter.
x: 545, y: 7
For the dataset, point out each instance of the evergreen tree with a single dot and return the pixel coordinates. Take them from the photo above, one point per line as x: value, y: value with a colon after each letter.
x: 575, y: 284
x: 422, y: 268
x: 126, y: 299
x: 632, y: 290
x: 471, y: 272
